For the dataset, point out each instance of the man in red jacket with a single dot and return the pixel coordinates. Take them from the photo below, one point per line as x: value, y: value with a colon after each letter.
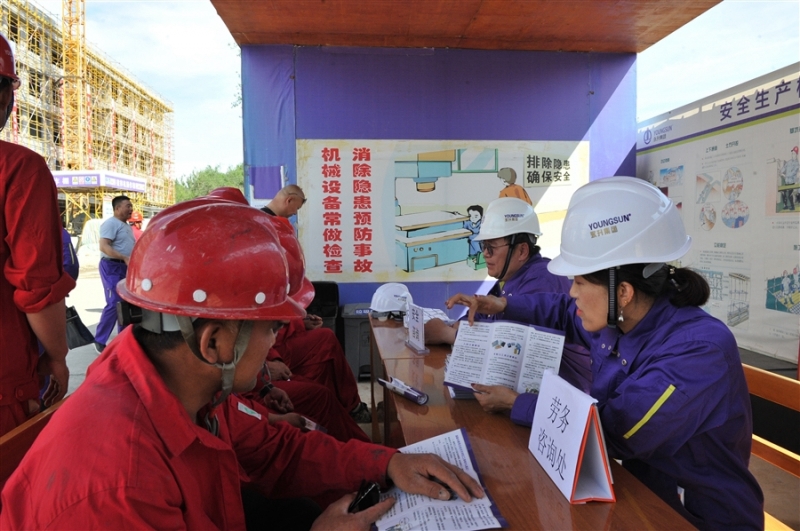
x: 154, y: 438
x: 33, y: 284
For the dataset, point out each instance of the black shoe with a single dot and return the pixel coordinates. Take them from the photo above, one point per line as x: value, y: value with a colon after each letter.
x: 98, y: 347
x: 361, y: 414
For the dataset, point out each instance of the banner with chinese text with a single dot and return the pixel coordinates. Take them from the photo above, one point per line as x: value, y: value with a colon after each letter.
x: 408, y: 210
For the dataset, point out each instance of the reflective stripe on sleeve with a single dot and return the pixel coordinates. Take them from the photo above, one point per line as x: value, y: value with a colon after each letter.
x: 651, y: 412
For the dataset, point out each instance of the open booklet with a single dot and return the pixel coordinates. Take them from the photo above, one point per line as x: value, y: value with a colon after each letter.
x: 503, y: 353
x: 414, y: 511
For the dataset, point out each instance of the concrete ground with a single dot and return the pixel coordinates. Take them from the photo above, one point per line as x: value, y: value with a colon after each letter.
x: 781, y: 490
x: 88, y: 299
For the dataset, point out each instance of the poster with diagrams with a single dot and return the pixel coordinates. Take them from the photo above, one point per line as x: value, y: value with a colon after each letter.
x: 739, y: 198
x: 409, y: 210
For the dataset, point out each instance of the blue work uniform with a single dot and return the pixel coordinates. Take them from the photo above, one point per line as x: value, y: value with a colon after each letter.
x: 112, y: 271
x: 532, y: 277
x: 673, y: 403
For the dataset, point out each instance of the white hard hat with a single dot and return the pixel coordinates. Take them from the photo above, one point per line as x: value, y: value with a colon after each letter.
x: 391, y: 297
x: 616, y: 221
x: 507, y: 216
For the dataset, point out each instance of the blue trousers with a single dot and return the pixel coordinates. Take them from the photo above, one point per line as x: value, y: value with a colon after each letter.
x: 110, y: 274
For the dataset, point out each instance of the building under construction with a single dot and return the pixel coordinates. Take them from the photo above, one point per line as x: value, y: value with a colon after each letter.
x: 101, y: 132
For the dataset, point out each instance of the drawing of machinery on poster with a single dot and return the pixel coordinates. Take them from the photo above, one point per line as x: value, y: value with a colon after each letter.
x: 434, y: 238
x: 738, y: 299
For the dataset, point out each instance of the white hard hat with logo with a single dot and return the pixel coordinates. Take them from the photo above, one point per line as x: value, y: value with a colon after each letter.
x: 392, y: 297
x: 507, y: 216
x: 616, y: 221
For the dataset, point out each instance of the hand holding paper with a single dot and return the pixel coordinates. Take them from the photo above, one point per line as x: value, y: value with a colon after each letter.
x: 495, y: 398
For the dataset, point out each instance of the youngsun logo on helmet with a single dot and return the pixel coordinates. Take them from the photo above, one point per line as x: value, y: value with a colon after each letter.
x: 509, y: 218
x: 608, y: 222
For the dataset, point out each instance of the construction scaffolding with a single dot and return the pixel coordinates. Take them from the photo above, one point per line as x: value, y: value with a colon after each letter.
x: 83, y: 113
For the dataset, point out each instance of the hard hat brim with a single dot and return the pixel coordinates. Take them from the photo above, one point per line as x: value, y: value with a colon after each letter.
x: 566, y: 266
x: 288, y: 309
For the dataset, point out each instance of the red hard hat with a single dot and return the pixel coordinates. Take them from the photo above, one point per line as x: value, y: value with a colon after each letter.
x: 300, y: 288
x: 168, y: 213
x: 794, y: 149
x: 228, y: 193
x: 215, y: 260
x: 136, y: 216
x: 7, y: 61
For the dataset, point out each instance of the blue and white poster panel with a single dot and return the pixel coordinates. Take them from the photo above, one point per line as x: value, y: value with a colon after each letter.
x: 730, y: 163
x: 409, y: 210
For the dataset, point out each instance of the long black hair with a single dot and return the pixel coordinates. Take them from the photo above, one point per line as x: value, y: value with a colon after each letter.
x: 684, y: 286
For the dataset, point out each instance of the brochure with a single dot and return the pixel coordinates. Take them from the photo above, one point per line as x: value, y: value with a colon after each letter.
x: 503, y: 353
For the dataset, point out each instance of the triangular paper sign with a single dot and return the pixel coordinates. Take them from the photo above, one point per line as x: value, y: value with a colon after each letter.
x: 567, y: 441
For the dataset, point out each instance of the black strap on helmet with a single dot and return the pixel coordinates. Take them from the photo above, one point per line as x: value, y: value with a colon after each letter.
x: 612, y: 297
x: 8, y: 111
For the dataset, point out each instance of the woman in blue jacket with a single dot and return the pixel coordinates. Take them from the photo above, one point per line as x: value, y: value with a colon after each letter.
x: 667, y: 376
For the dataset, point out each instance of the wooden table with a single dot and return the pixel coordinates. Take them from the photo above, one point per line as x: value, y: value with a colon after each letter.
x: 526, y: 496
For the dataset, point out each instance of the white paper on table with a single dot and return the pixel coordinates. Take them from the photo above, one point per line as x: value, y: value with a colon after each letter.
x: 415, y: 511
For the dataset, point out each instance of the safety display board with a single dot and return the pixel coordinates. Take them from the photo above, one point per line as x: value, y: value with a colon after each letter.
x: 730, y: 163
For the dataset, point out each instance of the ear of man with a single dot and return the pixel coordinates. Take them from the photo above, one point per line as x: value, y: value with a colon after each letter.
x: 216, y: 339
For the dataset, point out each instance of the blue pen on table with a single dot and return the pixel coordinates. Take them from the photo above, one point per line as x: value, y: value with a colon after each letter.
x: 402, y: 389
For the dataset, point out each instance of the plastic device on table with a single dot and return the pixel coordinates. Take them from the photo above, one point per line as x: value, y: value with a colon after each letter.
x: 402, y: 389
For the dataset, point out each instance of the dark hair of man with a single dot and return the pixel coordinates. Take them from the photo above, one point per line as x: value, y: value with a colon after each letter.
x: 155, y: 344
x: 526, y: 239
x: 476, y: 208
x: 119, y: 199
x: 684, y: 286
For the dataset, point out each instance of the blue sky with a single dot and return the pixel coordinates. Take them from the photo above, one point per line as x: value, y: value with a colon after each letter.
x: 183, y: 51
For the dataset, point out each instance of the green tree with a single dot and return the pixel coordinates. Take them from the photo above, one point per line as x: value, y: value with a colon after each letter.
x: 200, y: 182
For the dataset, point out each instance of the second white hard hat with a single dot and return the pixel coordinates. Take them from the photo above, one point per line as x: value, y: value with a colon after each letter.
x: 391, y: 297
x: 507, y: 216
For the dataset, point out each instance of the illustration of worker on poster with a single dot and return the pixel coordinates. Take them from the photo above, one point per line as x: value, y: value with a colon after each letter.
x: 788, y: 183
x: 783, y: 291
x: 475, y: 257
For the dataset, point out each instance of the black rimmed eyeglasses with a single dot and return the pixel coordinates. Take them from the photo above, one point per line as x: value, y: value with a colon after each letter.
x: 489, y: 250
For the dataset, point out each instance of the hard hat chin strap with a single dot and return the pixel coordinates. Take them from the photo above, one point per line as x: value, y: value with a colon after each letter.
x: 228, y: 369
x: 612, y: 297
x: 8, y: 111
x: 511, y: 245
